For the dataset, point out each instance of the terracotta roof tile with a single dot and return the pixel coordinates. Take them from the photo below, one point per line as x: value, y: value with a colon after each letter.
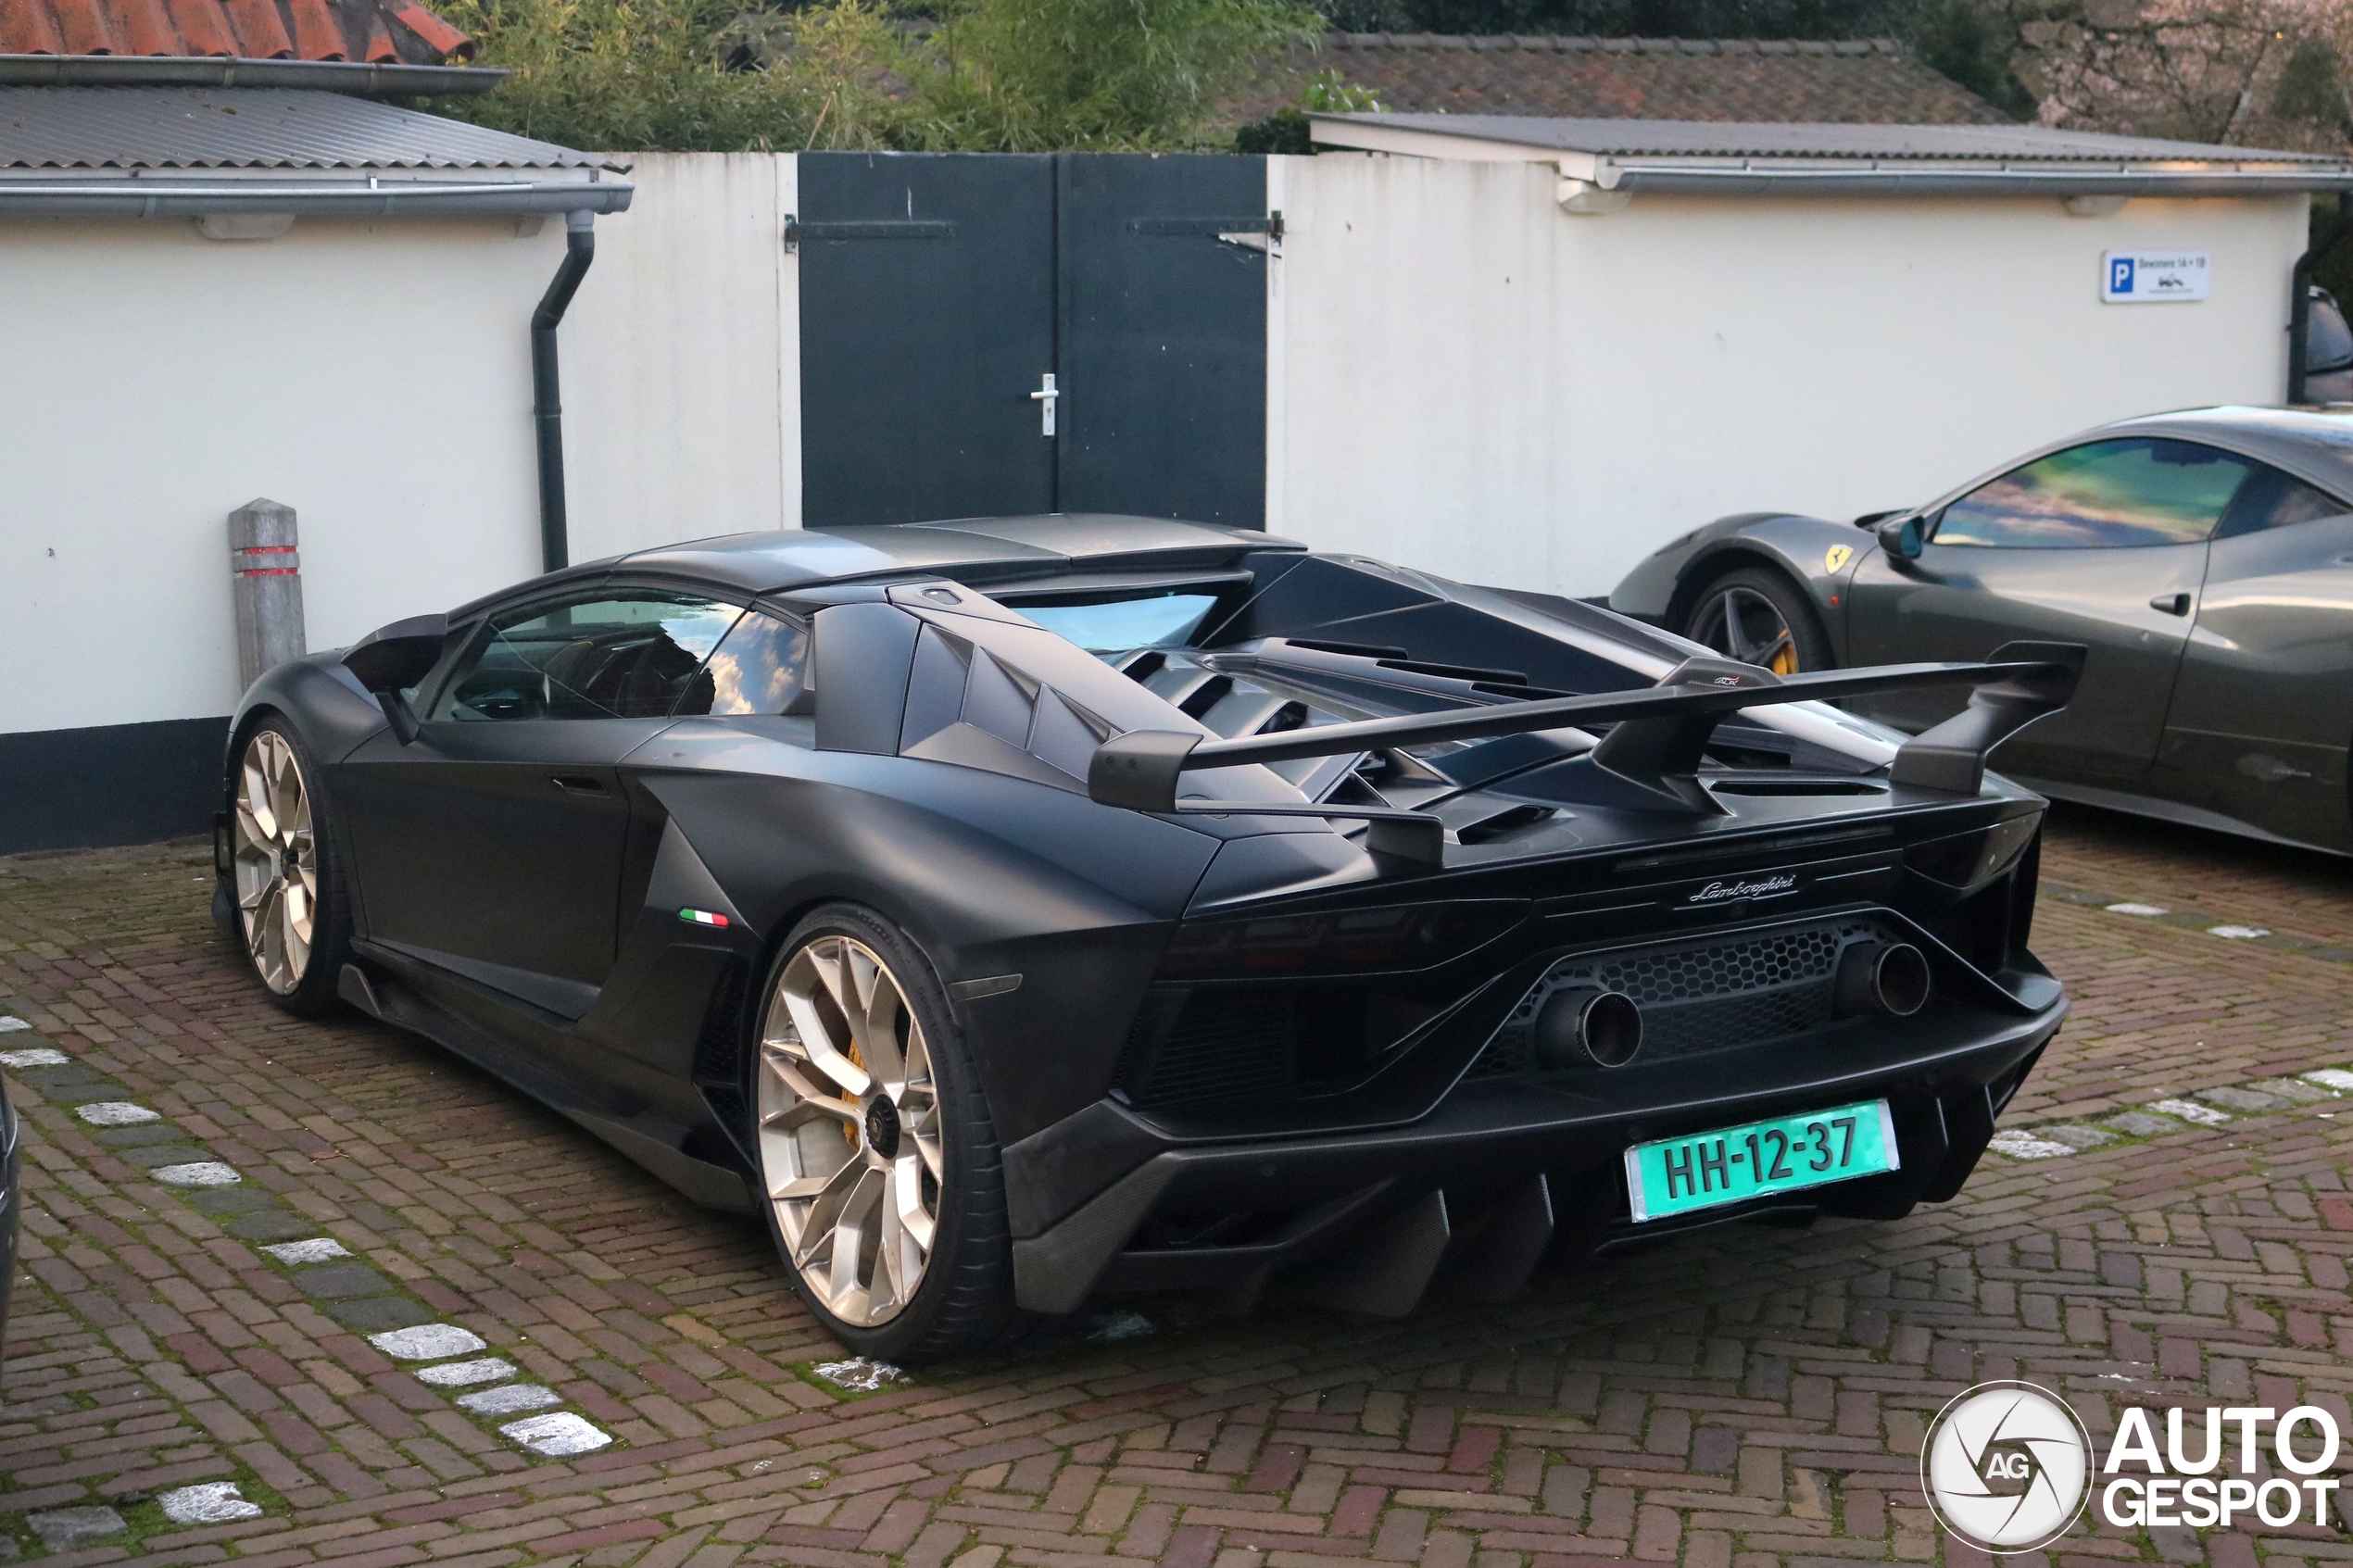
x: 1870, y: 82
x: 376, y: 31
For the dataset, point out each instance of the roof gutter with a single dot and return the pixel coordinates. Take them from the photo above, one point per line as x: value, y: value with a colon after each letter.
x: 351, y: 78
x: 2007, y: 180
x: 373, y: 197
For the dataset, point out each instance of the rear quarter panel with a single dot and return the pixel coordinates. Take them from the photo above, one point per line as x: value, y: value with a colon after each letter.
x: 989, y: 875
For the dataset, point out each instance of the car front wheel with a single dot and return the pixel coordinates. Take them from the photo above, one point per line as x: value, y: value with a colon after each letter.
x: 1760, y: 617
x: 287, y: 864
x: 878, y: 1162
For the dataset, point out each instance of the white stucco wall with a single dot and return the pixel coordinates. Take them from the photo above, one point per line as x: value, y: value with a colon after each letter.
x: 374, y: 376
x: 1472, y: 382
x: 682, y: 358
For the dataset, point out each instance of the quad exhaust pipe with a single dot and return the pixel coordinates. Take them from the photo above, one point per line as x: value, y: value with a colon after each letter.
x: 1585, y: 1026
x: 1588, y: 1028
x: 1889, y: 979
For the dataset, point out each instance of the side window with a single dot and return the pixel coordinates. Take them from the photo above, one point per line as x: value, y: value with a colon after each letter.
x: 2271, y: 500
x: 623, y: 656
x: 2108, y: 494
x: 761, y: 666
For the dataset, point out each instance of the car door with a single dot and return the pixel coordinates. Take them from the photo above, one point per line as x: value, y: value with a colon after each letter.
x: 2263, y: 709
x: 492, y: 845
x: 2102, y: 543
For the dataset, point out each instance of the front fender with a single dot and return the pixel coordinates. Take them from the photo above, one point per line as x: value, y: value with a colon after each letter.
x: 1648, y: 593
x: 1817, y: 554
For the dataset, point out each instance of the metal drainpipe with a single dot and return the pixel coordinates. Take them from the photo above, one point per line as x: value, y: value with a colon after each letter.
x: 2299, y: 304
x: 547, y: 409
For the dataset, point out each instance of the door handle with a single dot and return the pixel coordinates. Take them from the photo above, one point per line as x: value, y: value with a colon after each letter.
x: 578, y: 783
x: 2172, y: 603
x: 1046, y: 397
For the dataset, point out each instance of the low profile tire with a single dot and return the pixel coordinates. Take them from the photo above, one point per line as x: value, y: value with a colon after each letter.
x: 286, y: 860
x: 878, y: 1160
x: 1758, y: 616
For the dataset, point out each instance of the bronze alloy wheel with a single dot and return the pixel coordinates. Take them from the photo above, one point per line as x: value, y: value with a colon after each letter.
x: 277, y: 861
x: 1740, y: 622
x: 850, y: 1130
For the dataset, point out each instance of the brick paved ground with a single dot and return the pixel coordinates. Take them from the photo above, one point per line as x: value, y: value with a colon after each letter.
x: 1749, y: 1398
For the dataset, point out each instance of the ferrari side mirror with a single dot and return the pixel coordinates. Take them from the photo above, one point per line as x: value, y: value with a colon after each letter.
x: 1900, y: 537
x: 392, y: 658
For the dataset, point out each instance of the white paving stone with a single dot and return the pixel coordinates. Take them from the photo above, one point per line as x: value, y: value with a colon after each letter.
x: 208, y: 1502
x: 2190, y: 1111
x: 116, y: 1113
x: 197, y: 1173
x: 558, y: 1434
x: 2022, y: 1145
x: 511, y: 1400
x: 318, y: 1249
x: 39, y: 1056
x: 2238, y: 933
x: 2137, y: 909
x: 427, y: 1342
x: 63, y: 1529
x: 458, y: 1374
x: 2331, y: 1078
x: 10, y: 1025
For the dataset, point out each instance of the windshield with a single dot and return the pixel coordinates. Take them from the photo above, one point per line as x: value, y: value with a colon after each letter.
x: 1159, y: 622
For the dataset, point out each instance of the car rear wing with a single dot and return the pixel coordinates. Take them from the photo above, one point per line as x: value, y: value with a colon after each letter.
x: 1658, y: 735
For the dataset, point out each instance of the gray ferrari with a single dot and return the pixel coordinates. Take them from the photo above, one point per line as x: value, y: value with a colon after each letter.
x: 2205, y: 557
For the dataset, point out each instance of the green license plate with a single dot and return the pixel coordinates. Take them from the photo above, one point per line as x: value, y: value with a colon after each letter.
x: 1677, y: 1175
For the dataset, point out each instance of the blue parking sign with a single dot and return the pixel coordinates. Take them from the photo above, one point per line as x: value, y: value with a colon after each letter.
x: 2120, y: 275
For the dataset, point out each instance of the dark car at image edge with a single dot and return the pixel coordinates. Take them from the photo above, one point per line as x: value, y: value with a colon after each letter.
x: 1009, y: 910
x: 2204, y: 558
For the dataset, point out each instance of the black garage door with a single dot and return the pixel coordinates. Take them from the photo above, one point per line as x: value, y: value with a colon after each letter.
x: 943, y: 295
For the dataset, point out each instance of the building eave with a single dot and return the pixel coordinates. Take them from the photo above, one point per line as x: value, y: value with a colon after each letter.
x: 2257, y: 174
x: 338, y: 192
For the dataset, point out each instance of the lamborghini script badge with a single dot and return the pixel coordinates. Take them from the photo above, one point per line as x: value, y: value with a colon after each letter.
x: 1838, y: 556
x: 1763, y: 887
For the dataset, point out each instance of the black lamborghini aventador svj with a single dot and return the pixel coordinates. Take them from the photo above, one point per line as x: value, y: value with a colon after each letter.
x: 1012, y: 910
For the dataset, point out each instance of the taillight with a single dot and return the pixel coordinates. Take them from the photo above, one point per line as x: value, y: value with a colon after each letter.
x: 1967, y: 861
x: 1401, y: 937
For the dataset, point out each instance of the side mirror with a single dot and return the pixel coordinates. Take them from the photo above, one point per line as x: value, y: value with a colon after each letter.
x: 393, y: 656
x: 1900, y: 537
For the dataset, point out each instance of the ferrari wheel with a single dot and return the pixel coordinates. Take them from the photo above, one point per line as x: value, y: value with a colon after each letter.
x: 877, y: 1159
x: 1760, y: 617
x: 286, y: 873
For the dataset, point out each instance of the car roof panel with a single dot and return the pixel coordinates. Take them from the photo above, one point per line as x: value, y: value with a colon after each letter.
x: 779, y: 559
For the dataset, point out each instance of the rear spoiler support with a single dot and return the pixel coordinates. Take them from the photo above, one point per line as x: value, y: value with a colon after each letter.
x: 1659, y: 736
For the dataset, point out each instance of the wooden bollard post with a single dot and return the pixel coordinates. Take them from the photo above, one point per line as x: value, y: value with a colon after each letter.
x: 267, y: 576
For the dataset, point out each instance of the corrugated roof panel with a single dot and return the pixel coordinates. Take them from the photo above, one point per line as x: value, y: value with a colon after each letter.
x: 1668, y: 138
x: 253, y: 29
x: 249, y: 128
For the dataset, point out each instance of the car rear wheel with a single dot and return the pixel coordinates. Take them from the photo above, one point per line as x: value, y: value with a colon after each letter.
x: 877, y: 1159
x: 1758, y: 616
x: 286, y: 866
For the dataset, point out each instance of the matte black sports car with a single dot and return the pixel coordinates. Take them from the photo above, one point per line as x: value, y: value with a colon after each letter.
x: 1011, y: 910
x: 2206, y: 559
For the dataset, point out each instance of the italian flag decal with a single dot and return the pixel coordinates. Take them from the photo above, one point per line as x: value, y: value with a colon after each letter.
x: 701, y: 917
